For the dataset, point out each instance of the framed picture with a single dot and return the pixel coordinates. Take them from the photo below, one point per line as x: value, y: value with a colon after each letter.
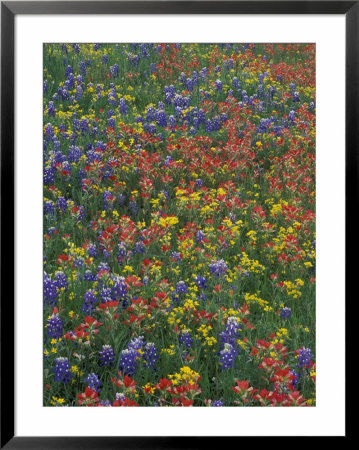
x: 176, y: 183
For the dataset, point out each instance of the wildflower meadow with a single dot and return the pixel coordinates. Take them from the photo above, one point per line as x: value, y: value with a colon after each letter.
x: 179, y: 225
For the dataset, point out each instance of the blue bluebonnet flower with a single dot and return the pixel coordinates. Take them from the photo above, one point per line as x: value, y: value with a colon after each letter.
x: 219, y: 85
x: 89, y: 302
x: 122, y: 252
x: 49, y: 130
x: 51, y: 109
x: 138, y: 248
x: 150, y: 114
x: 92, y: 250
x: 199, y: 183
x: 123, y: 106
x: 209, y: 126
x: 227, y: 356
x: 62, y: 370
x: 203, y: 73
x: 103, y: 266
x: 114, y: 70
x: 218, y: 267
x: 172, y: 121
x: 150, y: 128
x: 105, y: 403
x: 119, y: 289
x: 79, y: 92
x: 224, y: 118
x: 304, y: 357
x: 181, y: 288
x: 217, y: 403
x: 93, y: 382
x: 49, y: 175
x: 54, y: 326
x: 62, y: 204
x: 153, y: 67
x: 216, y: 123
x: 161, y: 118
x: 105, y: 295
x: 84, y: 125
x: 68, y: 71
x: 201, y: 281
x: 108, y: 199
x: 121, y: 199
x: 50, y: 290
x: 61, y: 280
x: 200, y: 236
x: 291, y: 115
x: 295, y: 380
x: 136, y: 343
x: 88, y: 276
x: 133, y: 208
x: 231, y: 332
x: 51, y: 230
x: 83, y: 68
x: 185, y: 339
x: 106, y: 356
x: 49, y: 207
x: 128, y: 361
x: 150, y: 355
x: 176, y: 255
x: 286, y: 312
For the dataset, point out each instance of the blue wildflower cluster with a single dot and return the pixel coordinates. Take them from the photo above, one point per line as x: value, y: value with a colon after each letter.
x: 62, y: 370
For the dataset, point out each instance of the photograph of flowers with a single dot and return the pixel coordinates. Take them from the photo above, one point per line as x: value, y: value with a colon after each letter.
x: 179, y: 224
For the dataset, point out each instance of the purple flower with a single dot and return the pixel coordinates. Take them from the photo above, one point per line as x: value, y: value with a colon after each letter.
x: 151, y: 355
x: 93, y: 382
x: 62, y: 370
x: 54, y: 326
x: 218, y: 85
x: 62, y: 204
x: 227, y: 356
x: 51, y: 109
x: 217, y: 403
x: 50, y: 290
x: 231, y: 332
x: 123, y: 106
x: 286, y: 312
x: 181, y: 288
x: 201, y: 282
x: 161, y: 118
x: 185, y: 339
x: 200, y: 236
x: 49, y: 207
x: 136, y: 343
x: 218, y: 267
x: 199, y: 183
x: 128, y: 361
x: 106, y: 356
x: 114, y: 70
x: 304, y: 357
x: 176, y: 255
x: 89, y: 302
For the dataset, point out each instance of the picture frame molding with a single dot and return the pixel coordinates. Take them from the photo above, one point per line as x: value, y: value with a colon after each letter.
x: 9, y: 10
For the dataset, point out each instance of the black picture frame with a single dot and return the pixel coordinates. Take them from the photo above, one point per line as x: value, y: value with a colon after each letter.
x: 9, y: 9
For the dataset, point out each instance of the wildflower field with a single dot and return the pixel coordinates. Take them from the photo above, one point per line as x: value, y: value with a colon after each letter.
x: 179, y: 225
